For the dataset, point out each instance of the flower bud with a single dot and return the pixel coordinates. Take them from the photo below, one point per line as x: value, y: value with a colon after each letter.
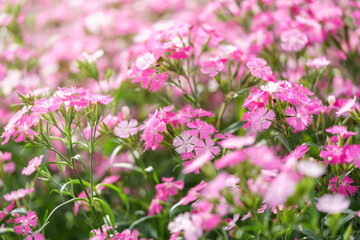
x: 331, y: 100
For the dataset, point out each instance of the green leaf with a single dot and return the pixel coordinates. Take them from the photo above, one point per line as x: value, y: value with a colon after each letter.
x: 307, y: 232
x: 120, y: 192
x: 142, y: 220
x: 75, y: 181
x: 108, y: 210
x: 56, y: 208
x: 44, y: 165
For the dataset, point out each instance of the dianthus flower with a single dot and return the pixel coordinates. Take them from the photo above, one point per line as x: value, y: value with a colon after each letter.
x: 153, y: 128
x: 18, y: 194
x: 333, y: 204
x: 259, y: 69
x: 213, y: 66
x: 318, y: 62
x: 152, y: 80
x: 261, y: 119
x: 299, y: 119
x: 180, y: 52
x: 7, y: 210
x: 168, y: 188
x: 25, y: 223
x: 201, y: 129
x: 206, y: 145
x: 10, y: 128
x: 341, y: 131
x: 343, y: 187
x: 145, y: 61
x: 43, y: 106
x: 36, y: 236
x: 33, y: 164
x: 185, y: 143
x: 126, y: 128
x: 346, y: 107
x: 293, y: 40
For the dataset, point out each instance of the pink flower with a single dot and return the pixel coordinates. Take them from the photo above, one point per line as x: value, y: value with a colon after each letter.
x: 126, y: 128
x: 10, y: 128
x: 231, y: 159
x: 293, y: 40
x: 261, y: 119
x: 310, y: 168
x: 180, y: 52
x: 341, y: 130
x: 155, y: 207
x: 43, y: 106
x: 185, y: 143
x: 333, y: 204
x: 26, y: 222
x: 206, y: 145
x: 213, y: 66
x: 168, y: 188
x: 237, y: 142
x: 201, y: 128
x: 194, y: 165
x: 343, y: 187
x: 259, y: 69
x: 36, y: 236
x: 299, y: 119
x: 18, y: 194
x: 149, y: 79
x: 280, y: 189
x: 33, y: 164
x: 7, y: 210
x: 145, y: 61
x: 153, y: 128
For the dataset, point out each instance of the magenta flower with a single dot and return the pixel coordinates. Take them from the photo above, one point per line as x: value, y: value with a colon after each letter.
x: 33, y: 164
x: 7, y: 210
x: 343, y: 187
x: 259, y: 69
x: 213, y: 66
x: 10, y: 128
x: 18, y: 194
x: 126, y: 128
x: 153, y: 128
x: 185, y: 143
x: 149, y: 79
x: 36, y: 236
x: 261, y: 119
x: 26, y: 222
x: 299, y: 119
x: 333, y: 204
x: 201, y: 128
x: 293, y: 40
x: 230, y: 160
x: 180, y: 52
x: 237, y: 142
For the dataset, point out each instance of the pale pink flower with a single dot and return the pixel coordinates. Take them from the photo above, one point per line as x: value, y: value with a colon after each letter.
x: 293, y: 40
x: 346, y: 107
x: 280, y: 189
x: 213, y: 66
x: 26, y: 222
x: 310, y: 168
x: 237, y: 142
x: 180, y: 52
x: 185, y: 143
x: 126, y: 128
x: 10, y: 128
x: 258, y: 68
x: 197, y: 163
x: 318, y: 62
x: 231, y: 159
x: 43, y: 106
x: 261, y: 119
x: 343, y: 187
x: 333, y: 204
x: 33, y: 164
x: 145, y: 61
x: 18, y: 194
x: 299, y: 119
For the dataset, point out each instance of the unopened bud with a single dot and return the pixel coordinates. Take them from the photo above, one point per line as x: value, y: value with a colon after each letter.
x: 331, y: 100
x: 125, y: 112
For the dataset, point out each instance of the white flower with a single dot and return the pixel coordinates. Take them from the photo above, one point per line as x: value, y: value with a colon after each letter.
x: 145, y: 61
x: 126, y: 128
x: 333, y: 204
x: 310, y: 168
